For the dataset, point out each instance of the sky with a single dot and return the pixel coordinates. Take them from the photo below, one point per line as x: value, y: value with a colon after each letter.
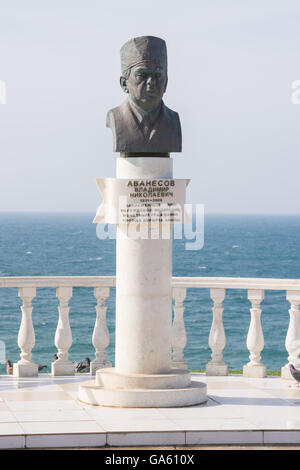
x: 231, y: 66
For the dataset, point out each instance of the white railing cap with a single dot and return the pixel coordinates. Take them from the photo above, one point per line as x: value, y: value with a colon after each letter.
x: 237, y: 283
x: 58, y: 281
x: 191, y: 282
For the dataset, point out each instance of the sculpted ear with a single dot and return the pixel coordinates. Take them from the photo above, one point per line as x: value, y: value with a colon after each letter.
x: 123, y: 83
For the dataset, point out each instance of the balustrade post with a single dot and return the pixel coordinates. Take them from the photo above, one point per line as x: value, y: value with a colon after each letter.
x: 292, y: 341
x: 178, y: 329
x: 217, y: 340
x: 63, y: 335
x: 255, y: 338
x: 100, y: 337
x: 25, y: 367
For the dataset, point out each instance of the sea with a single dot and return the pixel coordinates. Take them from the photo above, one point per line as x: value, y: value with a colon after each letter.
x: 61, y: 244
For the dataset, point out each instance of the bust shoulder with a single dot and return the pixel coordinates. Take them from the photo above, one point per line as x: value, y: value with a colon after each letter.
x: 113, y: 114
x: 171, y: 115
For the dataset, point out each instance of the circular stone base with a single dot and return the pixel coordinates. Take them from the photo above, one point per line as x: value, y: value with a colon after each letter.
x: 93, y: 394
x: 109, y: 378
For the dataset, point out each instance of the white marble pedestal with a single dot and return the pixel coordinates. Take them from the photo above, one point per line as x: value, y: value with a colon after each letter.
x: 286, y: 373
x: 25, y: 369
x: 143, y: 375
x: 256, y: 371
x: 174, y: 389
x: 216, y: 368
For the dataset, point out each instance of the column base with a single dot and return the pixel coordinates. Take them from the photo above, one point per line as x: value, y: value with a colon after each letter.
x: 25, y: 370
x: 216, y: 368
x: 179, y: 365
x: 94, y: 366
x: 59, y: 368
x: 174, y: 389
x: 259, y: 371
x: 286, y: 373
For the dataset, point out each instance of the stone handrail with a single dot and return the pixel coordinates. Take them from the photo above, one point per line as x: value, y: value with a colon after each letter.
x: 58, y: 281
x: 63, y: 338
x: 237, y: 283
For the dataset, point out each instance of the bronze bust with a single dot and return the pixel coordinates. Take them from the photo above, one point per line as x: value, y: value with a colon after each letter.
x: 143, y: 124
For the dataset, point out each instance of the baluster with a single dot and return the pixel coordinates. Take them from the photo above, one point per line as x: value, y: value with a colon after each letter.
x: 100, y: 338
x: 63, y: 335
x: 217, y: 340
x: 25, y: 367
x: 292, y: 341
x: 255, y: 338
x: 178, y: 329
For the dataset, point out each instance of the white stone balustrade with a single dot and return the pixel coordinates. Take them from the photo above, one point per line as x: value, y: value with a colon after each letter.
x: 217, y: 339
x: 255, y: 338
x: 25, y: 367
x: 100, y: 337
x: 178, y: 329
x: 255, y: 287
x: 292, y: 341
x: 63, y: 335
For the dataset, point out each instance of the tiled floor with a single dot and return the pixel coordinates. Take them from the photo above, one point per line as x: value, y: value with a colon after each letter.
x: 44, y: 412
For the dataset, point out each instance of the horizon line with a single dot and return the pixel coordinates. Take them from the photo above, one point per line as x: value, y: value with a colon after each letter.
x: 205, y: 213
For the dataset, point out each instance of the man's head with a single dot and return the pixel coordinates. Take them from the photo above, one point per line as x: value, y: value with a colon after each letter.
x: 144, y: 70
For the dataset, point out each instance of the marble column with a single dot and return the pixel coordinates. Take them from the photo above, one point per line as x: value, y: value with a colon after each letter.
x: 143, y: 286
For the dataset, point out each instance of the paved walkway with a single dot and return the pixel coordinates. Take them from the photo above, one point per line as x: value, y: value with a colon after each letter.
x: 43, y: 412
